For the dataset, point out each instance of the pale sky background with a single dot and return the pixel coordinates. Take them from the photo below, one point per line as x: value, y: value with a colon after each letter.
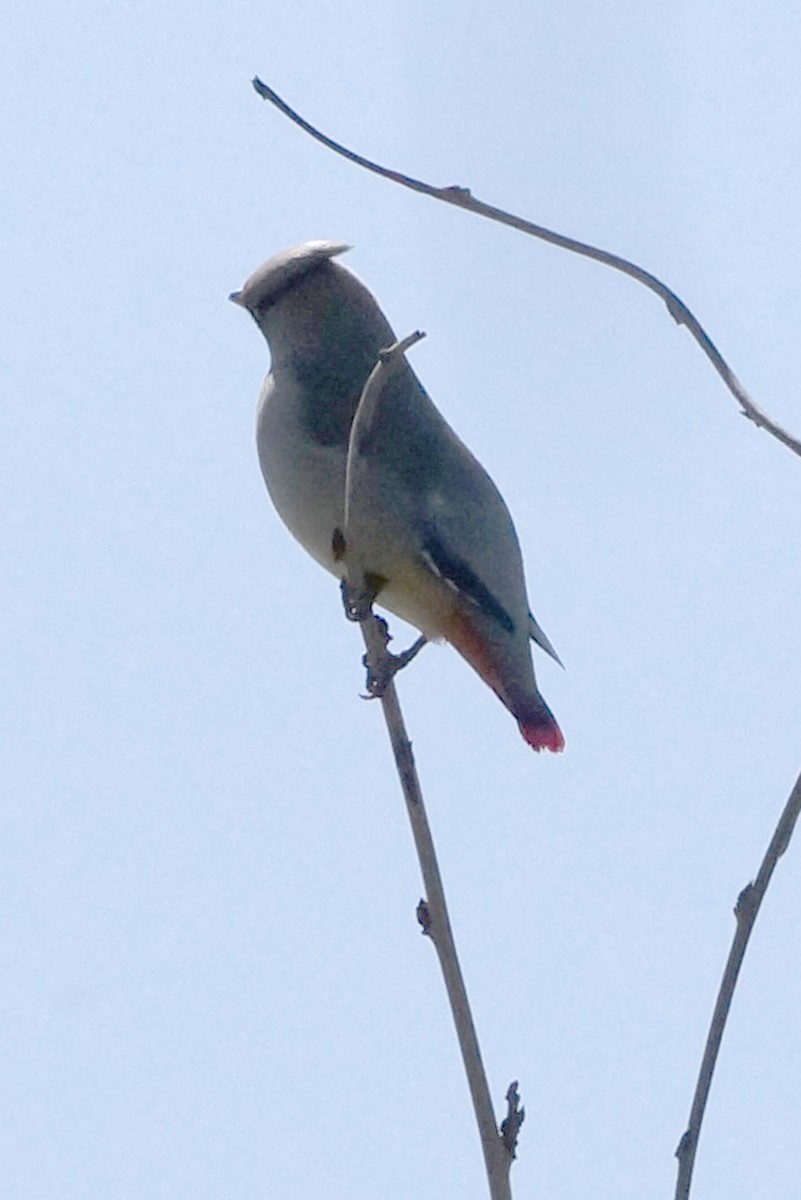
x: 213, y: 985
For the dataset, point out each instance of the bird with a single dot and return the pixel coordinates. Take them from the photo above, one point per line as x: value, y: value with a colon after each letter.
x: 435, y: 540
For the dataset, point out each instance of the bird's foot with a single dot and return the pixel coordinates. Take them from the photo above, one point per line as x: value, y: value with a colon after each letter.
x: 382, y: 666
x: 357, y: 599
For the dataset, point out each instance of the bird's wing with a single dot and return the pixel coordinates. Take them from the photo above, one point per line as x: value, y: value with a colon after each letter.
x: 469, y: 540
x: 538, y: 635
x: 456, y: 571
x: 434, y: 493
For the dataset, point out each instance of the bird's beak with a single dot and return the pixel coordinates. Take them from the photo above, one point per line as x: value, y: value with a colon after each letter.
x: 235, y: 298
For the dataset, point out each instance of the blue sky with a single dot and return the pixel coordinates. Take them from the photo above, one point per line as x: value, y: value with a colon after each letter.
x: 213, y: 983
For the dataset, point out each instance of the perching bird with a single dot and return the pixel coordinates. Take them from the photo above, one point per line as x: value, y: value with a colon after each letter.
x: 436, y: 540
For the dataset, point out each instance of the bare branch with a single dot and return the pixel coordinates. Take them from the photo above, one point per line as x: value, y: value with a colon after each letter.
x: 363, y: 418
x: 745, y: 911
x: 432, y: 913
x: 462, y: 198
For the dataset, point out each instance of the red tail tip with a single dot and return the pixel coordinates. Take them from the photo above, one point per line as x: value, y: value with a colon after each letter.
x: 542, y: 733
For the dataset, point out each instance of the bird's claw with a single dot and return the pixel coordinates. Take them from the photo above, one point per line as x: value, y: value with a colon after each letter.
x: 382, y: 670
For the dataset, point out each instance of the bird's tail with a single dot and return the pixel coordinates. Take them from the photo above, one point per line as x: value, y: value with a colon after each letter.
x: 538, y: 725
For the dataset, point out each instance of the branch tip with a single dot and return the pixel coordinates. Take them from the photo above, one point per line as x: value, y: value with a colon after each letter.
x: 746, y: 911
x: 462, y: 197
x: 515, y: 1116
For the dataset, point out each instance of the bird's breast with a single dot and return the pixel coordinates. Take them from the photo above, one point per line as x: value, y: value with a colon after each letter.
x: 304, y: 476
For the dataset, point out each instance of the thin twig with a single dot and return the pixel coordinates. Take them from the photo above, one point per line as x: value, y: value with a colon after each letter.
x: 462, y: 198
x: 363, y: 420
x: 745, y: 911
x: 433, y: 916
x: 432, y: 912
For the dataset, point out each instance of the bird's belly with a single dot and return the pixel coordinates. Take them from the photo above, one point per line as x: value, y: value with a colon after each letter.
x: 418, y: 597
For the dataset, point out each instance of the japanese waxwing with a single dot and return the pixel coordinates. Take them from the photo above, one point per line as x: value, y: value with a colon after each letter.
x: 434, y: 538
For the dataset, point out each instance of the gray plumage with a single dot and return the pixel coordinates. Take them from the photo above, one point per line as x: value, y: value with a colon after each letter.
x: 434, y: 533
